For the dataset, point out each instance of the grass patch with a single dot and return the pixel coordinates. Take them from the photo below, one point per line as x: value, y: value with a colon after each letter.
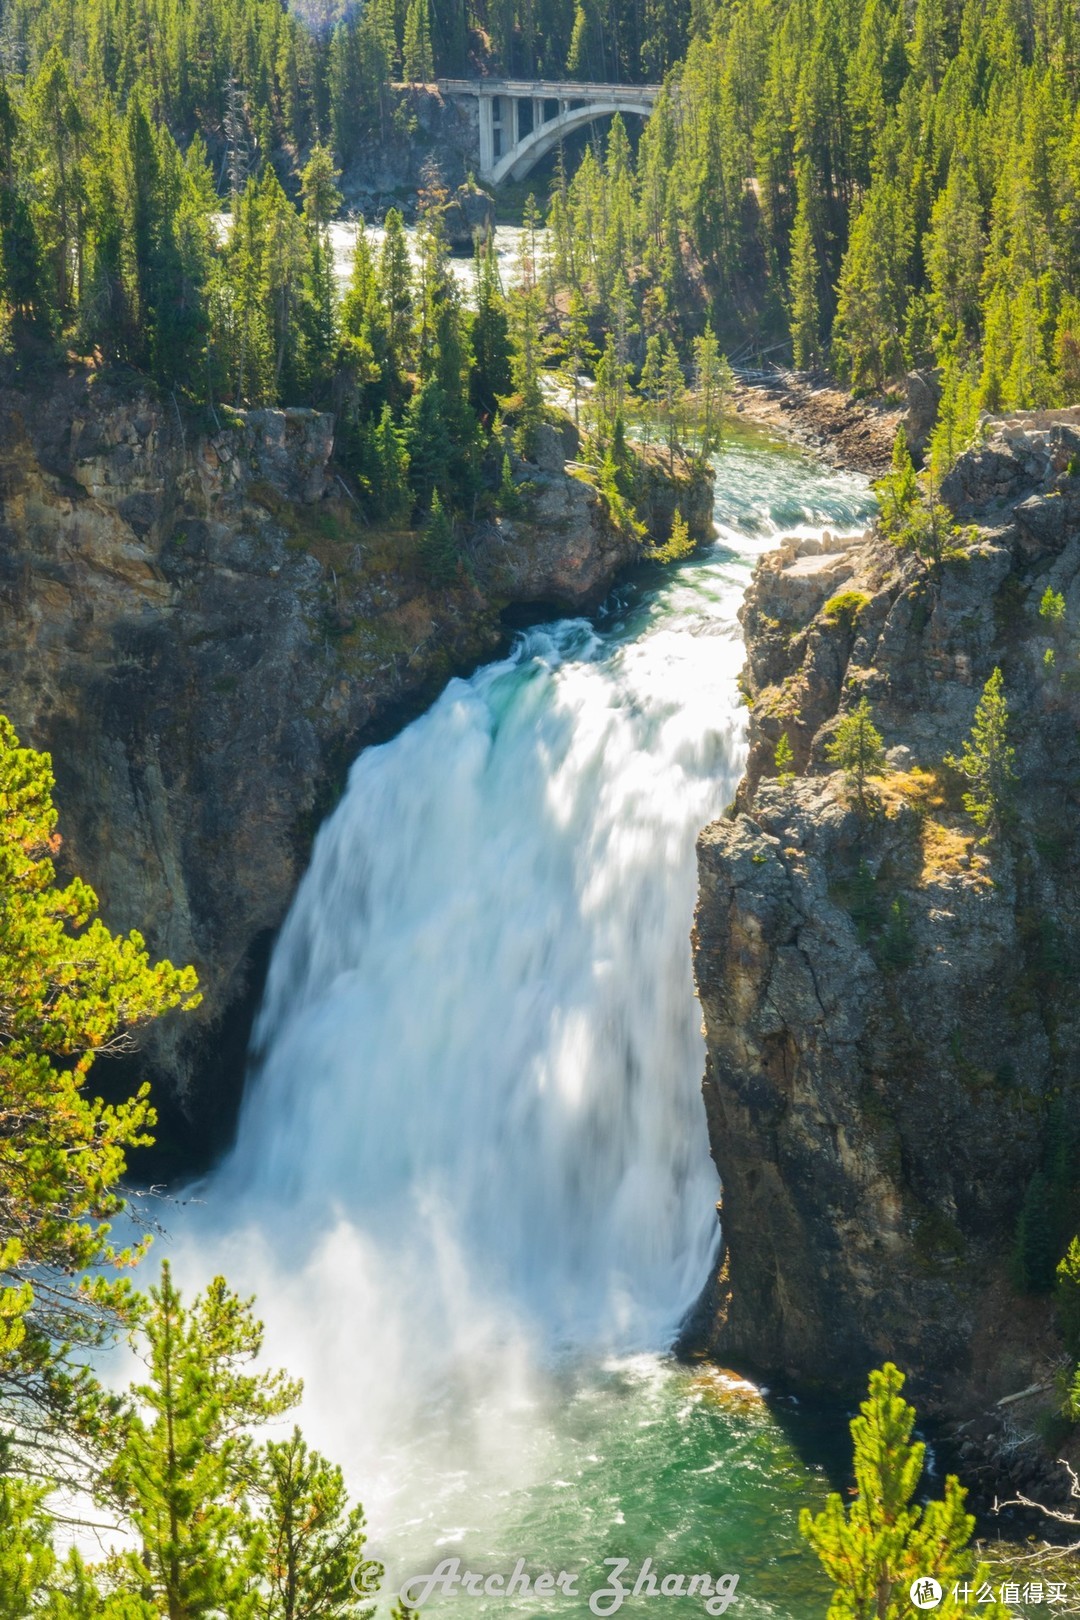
x: 946, y: 839
x: 845, y: 608
x: 916, y: 789
x: 945, y: 850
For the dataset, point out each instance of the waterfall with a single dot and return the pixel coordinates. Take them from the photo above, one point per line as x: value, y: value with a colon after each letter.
x: 473, y: 1154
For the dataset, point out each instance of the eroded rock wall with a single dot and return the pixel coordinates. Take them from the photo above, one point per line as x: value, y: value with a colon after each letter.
x: 198, y: 625
x: 890, y: 1008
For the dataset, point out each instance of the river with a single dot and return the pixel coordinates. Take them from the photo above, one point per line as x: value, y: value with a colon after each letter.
x: 471, y: 1185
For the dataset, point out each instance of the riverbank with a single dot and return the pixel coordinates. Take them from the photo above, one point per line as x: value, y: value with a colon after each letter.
x: 851, y: 433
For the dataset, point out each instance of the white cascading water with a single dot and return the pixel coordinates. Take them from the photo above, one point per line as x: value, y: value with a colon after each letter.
x: 474, y: 1149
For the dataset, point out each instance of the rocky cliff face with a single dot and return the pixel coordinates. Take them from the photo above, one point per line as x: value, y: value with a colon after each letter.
x: 197, y: 624
x: 424, y: 136
x: 889, y: 1007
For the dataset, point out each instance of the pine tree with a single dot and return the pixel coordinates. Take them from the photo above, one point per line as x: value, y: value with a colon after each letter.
x: 997, y: 349
x: 22, y: 292
x: 397, y: 293
x: 418, y: 60
x: 56, y: 129
x: 857, y: 748
x: 874, y: 287
x: 876, y: 72
x: 321, y: 199
x: 784, y: 759
x: 579, y: 350
x: 245, y: 301
x: 585, y: 58
x: 672, y: 398
x: 346, y: 89
x: 438, y: 549
x: 1028, y: 385
x: 876, y: 1549
x: 958, y: 414
x: 509, y: 497
x: 954, y: 258
x: 988, y: 761
x: 186, y: 1453
x: 1067, y: 1297
x: 27, y: 1560
x: 427, y: 440
x: 392, y: 460
x: 1035, y: 1257
x: 314, y: 1541
x: 68, y: 988
x: 490, y: 378
x: 805, y: 275
x: 929, y: 46
x: 526, y: 308
x: 898, y: 491
x: 679, y: 545
x: 281, y: 279
x: 714, y: 382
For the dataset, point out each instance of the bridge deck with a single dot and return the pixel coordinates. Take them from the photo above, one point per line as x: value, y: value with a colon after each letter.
x: 550, y: 89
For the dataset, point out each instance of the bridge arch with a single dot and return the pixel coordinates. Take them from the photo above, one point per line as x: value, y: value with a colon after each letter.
x: 527, y: 153
x: 520, y: 121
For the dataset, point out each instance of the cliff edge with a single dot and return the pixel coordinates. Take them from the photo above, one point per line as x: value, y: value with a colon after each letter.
x: 890, y: 1007
x: 197, y: 623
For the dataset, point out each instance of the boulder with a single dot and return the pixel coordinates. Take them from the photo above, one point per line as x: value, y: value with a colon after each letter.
x: 469, y: 214
x: 923, y: 389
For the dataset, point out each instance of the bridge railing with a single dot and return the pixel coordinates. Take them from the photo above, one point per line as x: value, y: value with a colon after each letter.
x: 548, y: 89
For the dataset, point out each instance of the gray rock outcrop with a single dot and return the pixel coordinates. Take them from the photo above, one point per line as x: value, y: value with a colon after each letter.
x: 890, y: 1006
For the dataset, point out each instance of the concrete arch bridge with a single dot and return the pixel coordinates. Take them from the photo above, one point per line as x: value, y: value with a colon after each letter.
x: 522, y: 119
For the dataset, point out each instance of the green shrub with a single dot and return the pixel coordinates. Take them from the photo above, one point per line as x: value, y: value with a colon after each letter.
x: 896, y: 947
x: 1052, y: 606
x: 845, y: 608
x: 1067, y: 1293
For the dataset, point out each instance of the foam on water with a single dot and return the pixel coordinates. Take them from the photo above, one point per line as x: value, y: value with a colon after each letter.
x: 471, y: 1184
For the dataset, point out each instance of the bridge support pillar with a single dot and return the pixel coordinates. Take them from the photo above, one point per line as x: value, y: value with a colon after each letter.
x: 487, y: 136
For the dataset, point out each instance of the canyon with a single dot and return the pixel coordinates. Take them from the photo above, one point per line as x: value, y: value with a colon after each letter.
x: 198, y: 625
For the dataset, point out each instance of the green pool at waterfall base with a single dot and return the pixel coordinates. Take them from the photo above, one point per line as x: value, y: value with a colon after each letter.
x: 471, y: 1187
x: 687, y: 1465
x: 648, y: 1457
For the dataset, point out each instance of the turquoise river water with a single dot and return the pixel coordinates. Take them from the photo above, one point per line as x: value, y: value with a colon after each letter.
x: 472, y: 1186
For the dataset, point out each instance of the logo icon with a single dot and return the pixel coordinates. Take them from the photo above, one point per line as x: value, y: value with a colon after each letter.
x: 926, y: 1593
